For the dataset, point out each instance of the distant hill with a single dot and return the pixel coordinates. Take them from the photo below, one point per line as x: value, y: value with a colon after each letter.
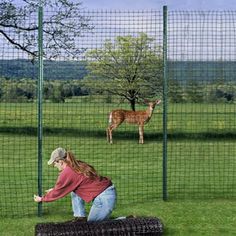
x: 180, y: 70
x: 202, y: 70
x: 52, y: 69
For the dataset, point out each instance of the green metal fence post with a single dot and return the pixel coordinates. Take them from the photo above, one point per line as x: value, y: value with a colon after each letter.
x: 165, y: 103
x: 40, y: 86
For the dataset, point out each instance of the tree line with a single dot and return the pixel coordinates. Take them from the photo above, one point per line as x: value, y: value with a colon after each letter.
x: 25, y: 90
x: 128, y: 66
x: 58, y: 91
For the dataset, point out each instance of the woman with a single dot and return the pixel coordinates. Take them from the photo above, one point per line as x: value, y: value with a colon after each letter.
x: 85, y: 185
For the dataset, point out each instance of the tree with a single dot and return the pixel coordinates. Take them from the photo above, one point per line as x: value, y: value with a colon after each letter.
x: 17, y: 90
x: 131, y: 68
x: 175, y: 91
x: 194, y: 91
x: 63, y: 23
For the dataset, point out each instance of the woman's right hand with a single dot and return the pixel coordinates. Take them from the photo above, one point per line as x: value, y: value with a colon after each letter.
x: 37, y: 198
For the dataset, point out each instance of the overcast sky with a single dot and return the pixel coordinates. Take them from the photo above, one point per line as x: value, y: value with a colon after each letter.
x: 208, y: 5
x: 158, y: 4
x: 209, y: 35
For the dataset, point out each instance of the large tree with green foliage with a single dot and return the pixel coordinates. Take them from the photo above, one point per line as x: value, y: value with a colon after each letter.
x: 130, y: 67
x: 63, y: 23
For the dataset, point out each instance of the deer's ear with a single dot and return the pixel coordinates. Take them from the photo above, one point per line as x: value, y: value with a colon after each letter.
x: 158, y: 102
x: 145, y: 101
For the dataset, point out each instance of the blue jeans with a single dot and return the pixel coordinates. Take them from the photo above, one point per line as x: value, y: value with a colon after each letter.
x: 101, y: 208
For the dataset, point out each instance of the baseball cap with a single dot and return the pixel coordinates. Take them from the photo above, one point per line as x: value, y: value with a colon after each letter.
x: 57, y: 154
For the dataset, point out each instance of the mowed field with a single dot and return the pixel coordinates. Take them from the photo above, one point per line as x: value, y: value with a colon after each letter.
x: 201, y: 163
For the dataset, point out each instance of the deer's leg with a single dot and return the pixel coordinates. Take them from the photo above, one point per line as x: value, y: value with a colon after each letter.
x: 109, y: 132
x: 141, y: 134
x: 108, y: 135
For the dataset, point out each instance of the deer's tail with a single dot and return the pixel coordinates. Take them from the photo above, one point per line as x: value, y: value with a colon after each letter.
x: 110, y: 118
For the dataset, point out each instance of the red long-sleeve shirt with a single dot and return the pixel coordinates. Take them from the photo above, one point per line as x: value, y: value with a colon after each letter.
x: 71, y: 181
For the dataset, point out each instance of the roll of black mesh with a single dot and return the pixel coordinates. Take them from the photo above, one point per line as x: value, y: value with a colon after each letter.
x: 133, y: 226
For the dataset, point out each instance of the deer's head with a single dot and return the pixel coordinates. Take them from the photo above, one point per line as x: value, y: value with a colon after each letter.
x: 152, y: 104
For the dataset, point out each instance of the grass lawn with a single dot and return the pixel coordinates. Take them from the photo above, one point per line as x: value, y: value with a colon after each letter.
x: 201, y: 164
x: 210, y: 218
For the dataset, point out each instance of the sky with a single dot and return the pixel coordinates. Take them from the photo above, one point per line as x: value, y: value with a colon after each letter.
x: 197, y: 35
x: 208, y: 35
x: 209, y: 5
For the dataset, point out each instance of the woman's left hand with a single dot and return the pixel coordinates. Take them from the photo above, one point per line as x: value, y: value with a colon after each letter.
x: 37, y: 198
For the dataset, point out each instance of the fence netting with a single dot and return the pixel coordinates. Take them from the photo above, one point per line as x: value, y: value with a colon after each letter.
x: 79, y: 122
x: 201, y: 110
x: 118, y: 64
x: 76, y: 109
x: 18, y: 120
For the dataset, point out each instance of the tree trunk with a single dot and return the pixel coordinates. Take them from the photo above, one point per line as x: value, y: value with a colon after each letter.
x: 132, y: 103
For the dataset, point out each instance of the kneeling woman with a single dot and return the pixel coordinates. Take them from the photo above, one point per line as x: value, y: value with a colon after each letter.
x: 85, y: 185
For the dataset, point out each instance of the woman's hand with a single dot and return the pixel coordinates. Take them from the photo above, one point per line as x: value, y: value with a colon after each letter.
x: 37, y: 198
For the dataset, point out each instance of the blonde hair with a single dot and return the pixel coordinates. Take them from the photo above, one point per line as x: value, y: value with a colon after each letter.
x: 81, y: 167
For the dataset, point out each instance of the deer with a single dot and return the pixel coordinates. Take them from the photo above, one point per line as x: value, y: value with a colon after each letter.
x: 117, y: 117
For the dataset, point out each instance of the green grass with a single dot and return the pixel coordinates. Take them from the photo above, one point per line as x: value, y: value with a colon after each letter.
x: 201, y: 164
x: 210, y: 218
x: 70, y: 117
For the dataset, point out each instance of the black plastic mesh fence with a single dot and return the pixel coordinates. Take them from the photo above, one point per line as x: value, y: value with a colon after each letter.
x: 75, y: 109
x: 133, y: 226
x: 120, y: 60
x: 79, y: 122
x: 202, y: 124
x: 18, y: 119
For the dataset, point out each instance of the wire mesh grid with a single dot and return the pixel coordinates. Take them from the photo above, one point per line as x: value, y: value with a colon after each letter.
x: 201, y: 125
x: 18, y: 123
x: 76, y: 104
x: 79, y: 122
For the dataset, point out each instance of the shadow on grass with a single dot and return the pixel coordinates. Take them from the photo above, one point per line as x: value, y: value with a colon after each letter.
x: 117, y: 135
